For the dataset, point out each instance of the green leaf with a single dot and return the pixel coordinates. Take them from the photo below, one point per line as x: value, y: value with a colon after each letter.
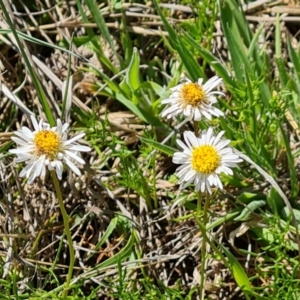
x: 249, y: 209
x: 296, y: 64
x: 133, y: 72
x: 233, y: 15
x: 212, y: 60
x: 291, y: 162
x: 95, y: 40
x: 109, y: 230
x: 237, y: 271
x: 249, y: 197
x: 275, y: 201
x: 233, y: 25
x: 286, y: 214
x: 141, y: 113
x: 252, y: 118
x: 160, y: 147
x: 160, y: 91
x: 96, y: 13
x: 187, y: 58
x: 121, y: 255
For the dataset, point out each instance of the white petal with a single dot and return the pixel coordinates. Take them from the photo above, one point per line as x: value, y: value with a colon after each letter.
x: 75, y: 138
x: 80, y: 148
x: 182, y: 145
x: 34, y: 123
x: 74, y: 156
x: 27, y: 132
x: 218, y: 137
x: 212, y: 83
x: 72, y: 166
x: 59, y: 127
x: 59, y: 169
x: 65, y: 127
x: 39, y: 165
x: 19, y: 141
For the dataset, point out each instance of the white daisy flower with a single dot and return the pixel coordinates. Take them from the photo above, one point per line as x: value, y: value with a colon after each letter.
x: 194, y: 100
x: 47, y: 147
x: 203, y: 159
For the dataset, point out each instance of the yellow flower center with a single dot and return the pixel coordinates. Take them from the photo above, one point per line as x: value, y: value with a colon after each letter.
x: 193, y: 94
x: 47, y: 143
x: 205, y: 159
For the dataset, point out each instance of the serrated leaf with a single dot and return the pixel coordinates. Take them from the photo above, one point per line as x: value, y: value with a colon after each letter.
x: 250, y: 208
x: 158, y: 146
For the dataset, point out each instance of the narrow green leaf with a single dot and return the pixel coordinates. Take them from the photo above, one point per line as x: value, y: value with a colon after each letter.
x: 95, y: 40
x: 249, y: 197
x: 253, y: 128
x: 232, y: 263
x: 29, y: 65
x: 160, y: 91
x: 239, y: 58
x: 141, y: 113
x: 212, y: 60
x: 291, y: 163
x: 249, y: 209
x: 235, y: 42
x: 121, y: 255
x: 286, y: 214
x: 237, y: 271
x: 235, y: 16
x: 253, y: 48
x: 109, y: 230
x: 133, y: 72
x: 160, y: 147
x: 187, y: 59
x: 95, y: 11
x: 296, y: 63
x: 274, y: 201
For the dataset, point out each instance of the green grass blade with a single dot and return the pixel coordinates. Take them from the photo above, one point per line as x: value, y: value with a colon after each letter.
x: 291, y: 163
x: 95, y: 40
x: 36, y: 41
x: 141, y: 113
x: 212, y: 60
x: 160, y: 147
x: 237, y: 270
x: 109, y: 230
x: 96, y: 13
x: 29, y: 63
x: 237, y: 18
x: 133, y: 72
x: 235, y: 41
x: 188, y: 60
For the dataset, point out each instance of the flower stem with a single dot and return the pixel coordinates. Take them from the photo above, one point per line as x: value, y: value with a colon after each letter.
x: 196, y: 128
x: 203, y: 248
x: 199, y: 203
x: 67, y: 231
